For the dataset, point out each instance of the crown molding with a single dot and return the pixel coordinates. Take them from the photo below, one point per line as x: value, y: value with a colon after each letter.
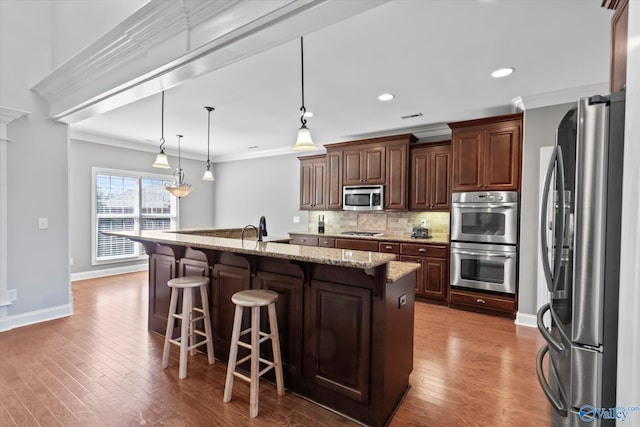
x: 563, y: 96
x: 7, y: 115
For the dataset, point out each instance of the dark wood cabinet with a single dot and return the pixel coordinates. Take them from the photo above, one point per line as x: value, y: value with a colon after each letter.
x: 487, y: 153
x: 303, y: 239
x: 288, y: 309
x: 619, y: 31
x: 432, y: 279
x: 430, y: 183
x: 162, y: 268
x: 364, y: 164
x: 337, y: 347
x: 396, y: 177
x: 313, y: 182
x: 357, y: 244
x: 483, y: 302
x: 227, y: 280
x: 334, y: 179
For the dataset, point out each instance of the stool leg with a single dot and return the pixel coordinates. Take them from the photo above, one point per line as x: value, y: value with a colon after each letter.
x: 233, y: 353
x: 173, y: 304
x: 184, y: 334
x: 275, y: 343
x: 207, y: 323
x: 255, y: 361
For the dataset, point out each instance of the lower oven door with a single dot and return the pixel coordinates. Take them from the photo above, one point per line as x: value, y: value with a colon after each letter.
x: 483, y: 266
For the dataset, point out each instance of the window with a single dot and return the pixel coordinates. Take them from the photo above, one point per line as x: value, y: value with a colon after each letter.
x: 128, y: 201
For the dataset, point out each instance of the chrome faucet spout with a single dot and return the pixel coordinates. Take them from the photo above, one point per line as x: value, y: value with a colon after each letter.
x: 245, y: 227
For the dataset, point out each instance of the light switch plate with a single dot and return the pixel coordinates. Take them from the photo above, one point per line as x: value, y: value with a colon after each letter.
x: 296, y: 220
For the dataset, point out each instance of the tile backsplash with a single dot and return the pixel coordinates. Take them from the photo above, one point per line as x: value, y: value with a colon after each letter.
x: 390, y: 222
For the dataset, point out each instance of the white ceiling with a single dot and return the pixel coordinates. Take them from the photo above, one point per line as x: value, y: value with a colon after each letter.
x: 436, y: 56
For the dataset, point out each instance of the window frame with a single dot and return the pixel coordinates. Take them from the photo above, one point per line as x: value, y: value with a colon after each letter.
x: 138, y: 216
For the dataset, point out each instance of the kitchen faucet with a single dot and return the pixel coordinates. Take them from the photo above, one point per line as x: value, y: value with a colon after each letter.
x: 262, y: 228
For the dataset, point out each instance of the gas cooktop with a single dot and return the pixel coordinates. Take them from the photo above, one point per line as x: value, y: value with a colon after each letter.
x: 363, y: 233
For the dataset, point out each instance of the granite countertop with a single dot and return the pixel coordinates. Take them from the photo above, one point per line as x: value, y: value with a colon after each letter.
x: 386, y: 237
x: 318, y: 255
x: 398, y: 269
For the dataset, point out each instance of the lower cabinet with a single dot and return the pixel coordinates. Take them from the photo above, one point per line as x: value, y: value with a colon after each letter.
x: 483, y: 302
x: 162, y: 268
x: 336, y: 347
x: 432, y: 280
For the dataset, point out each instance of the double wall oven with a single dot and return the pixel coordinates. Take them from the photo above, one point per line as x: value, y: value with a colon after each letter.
x: 484, y: 239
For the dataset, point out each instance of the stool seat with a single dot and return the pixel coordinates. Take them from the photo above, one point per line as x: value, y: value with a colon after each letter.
x: 189, y: 317
x: 188, y: 282
x: 254, y: 298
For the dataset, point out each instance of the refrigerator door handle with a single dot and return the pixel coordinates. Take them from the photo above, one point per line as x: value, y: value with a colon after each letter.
x: 559, y: 347
x: 552, y: 278
x: 546, y: 388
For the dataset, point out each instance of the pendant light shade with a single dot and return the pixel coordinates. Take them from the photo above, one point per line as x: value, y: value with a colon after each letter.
x: 304, y: 141
x: 162, y: 161
x: 179, y: 188
x: 208, y: 173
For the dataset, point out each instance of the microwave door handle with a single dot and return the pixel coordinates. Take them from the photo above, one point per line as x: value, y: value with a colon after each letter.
x: 554, y: 400
x: 544, y: 245
x: 455, y: 251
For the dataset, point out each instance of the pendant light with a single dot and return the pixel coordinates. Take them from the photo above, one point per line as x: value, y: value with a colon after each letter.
x: 304, y: 141
x: 179, y: 188
x: 208, y: 174
x: 162, y: 161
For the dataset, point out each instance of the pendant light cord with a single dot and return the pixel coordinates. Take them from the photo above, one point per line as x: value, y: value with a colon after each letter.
x: 162, y: 126
x: 303, y: 109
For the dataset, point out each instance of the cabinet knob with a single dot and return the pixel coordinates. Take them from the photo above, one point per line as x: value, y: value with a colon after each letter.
x: 422, y: 250
x: 302, y: 240
x: 388, y: 247
x: 481, y: 301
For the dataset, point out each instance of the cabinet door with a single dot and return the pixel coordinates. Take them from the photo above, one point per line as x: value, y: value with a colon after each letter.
x: 420, y: 187
x: 419, y: 274
x: 319, y: 185
x: 357, y: 244
x: 306, y: 184
x: 435, y: 278
x: 502, y: 158
x: 289, y: 313
x: 337, y: 340
x: 334, y: 180
x: 352, y: 167
x: 162, y: 268
x: 395, y: 197
x: 227, y: 280
x: 440, y: 189
x: 467, y: 160
x: 619, y: 30
x: 373, y: 169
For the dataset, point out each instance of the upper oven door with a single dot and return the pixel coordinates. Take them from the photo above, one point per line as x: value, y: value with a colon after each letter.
x: 485, y: 217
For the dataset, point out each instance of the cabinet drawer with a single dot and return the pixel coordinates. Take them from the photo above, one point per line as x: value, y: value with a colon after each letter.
x: 417, y: 249
x: 481, y: 300
x: 326, y: 242
x: 357, y: 245
x: 304, y: 240
x: 388, y: 247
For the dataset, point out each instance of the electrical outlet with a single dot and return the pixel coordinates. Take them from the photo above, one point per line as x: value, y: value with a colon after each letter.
x: 12, y: 294
x: 43, y: 223
x: 423, y: 223
x: 402, y: 300
x: 296, y: 220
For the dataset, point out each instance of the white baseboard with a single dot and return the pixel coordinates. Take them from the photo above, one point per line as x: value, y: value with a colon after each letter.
x: 109, y: 272
x: 529, y: 320
x: 37, y: 316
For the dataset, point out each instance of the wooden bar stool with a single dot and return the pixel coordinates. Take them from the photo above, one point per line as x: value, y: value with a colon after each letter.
x: 254, y: 299
x: 188, y: 330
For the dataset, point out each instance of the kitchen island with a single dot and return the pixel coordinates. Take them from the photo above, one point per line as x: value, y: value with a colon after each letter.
x: 345, y: 317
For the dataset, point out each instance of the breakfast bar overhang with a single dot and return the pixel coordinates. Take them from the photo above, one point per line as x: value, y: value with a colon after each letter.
x: 345, y: 317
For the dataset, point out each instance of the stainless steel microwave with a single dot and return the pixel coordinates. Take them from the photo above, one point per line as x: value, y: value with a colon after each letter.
x: 363, y: 198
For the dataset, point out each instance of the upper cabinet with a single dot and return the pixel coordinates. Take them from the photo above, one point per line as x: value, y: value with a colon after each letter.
x: 397, y: 170
x: 487, y: 153
x: 313, y: 182
x: 364, y: 164
x: 430, y: 182
x: 619, y: 28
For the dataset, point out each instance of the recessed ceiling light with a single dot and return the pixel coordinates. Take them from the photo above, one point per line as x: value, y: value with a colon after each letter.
x: 502, y: 72
x: 308, y: 114
x: 386, y: 97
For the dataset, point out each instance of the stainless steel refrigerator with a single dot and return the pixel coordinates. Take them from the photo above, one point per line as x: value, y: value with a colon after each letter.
x: 581, y: 232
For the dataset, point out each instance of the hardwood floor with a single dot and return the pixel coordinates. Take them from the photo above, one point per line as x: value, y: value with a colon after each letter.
x: 100, y: 367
